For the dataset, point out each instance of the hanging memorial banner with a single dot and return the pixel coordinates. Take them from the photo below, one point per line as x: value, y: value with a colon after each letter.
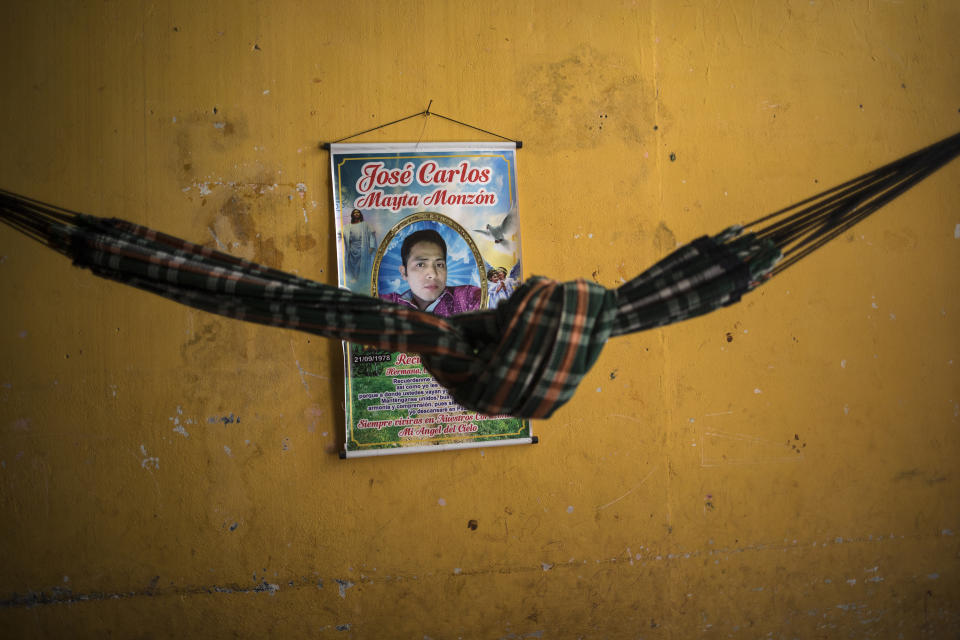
x: 433, y: 227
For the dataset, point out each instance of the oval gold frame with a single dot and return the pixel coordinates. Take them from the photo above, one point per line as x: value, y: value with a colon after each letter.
x: 433, y: 217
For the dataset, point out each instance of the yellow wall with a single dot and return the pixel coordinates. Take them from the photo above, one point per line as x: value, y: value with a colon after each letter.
x: 665, y: 501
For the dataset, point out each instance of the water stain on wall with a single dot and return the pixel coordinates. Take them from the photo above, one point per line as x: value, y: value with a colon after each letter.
x: 664, y: 239
x: 901, y: 239
x: 234, y: 230
x: 574, y: 92
x: 203, y: 133
x: 929, y: 478
x: 235, y: 210
x: 303, y: 242
x: 202, y: 138
x: 212, y: 342
x: 207, y: 333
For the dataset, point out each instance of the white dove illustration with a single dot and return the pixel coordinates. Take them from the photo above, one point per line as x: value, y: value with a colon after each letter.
x: 500, y: 232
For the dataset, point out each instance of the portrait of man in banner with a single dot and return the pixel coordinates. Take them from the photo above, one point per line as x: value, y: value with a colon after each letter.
x: 429, y: 262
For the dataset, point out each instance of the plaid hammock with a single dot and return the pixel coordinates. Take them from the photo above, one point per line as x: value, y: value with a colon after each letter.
x: 526, y: 357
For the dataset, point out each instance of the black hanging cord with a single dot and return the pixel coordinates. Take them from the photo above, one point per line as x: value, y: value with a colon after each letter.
x: 804, y: 227
x: 519, y: 143
x: 426, y: 113
x: 34, y: 218
x: 326, y: 145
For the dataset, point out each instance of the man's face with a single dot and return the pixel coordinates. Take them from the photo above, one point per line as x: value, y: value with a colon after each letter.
x: 425, y: 272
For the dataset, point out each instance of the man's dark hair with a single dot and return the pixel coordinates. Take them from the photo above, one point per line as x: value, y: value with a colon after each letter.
x: 424, y: 235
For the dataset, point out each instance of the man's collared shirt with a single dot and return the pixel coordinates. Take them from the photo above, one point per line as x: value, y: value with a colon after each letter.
x: 453, y: 300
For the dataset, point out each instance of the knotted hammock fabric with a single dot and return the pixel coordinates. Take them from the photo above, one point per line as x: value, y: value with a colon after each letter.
x: 526, y: 357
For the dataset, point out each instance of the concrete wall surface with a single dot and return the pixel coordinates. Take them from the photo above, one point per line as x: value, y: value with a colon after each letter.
x: 783, y: 468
